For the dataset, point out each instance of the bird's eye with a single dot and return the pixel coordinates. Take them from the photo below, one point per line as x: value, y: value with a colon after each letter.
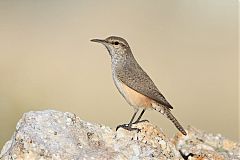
x: 116, y: 43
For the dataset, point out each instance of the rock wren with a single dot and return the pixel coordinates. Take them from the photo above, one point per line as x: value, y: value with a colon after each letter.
x: 134, y: 84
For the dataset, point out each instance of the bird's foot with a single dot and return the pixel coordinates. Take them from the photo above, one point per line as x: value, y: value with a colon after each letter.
x: 128, y: 127
x: 137, y: 121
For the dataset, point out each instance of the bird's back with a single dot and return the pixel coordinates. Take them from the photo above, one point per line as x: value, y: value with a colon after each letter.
x: 131, y: 74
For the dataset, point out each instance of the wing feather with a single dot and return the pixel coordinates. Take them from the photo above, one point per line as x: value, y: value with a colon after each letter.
x: 134, y: 77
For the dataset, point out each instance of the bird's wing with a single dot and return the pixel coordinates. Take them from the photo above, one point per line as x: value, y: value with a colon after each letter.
x: 135, y: 78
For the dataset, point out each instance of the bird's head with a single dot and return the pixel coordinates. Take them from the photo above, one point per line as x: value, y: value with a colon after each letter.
x: 116, y: 46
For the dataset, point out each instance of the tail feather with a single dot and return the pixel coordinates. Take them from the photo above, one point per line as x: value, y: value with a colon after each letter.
x: 167, y: 112
x: 175, y: 122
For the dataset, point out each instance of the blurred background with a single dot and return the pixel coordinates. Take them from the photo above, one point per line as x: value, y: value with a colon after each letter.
x: 189, y: 48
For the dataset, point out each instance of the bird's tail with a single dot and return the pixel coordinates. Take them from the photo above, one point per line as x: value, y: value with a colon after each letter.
x: 175, y: 122
x: 165, y: 111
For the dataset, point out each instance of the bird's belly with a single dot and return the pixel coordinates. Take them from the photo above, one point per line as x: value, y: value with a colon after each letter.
x: 134, y: 98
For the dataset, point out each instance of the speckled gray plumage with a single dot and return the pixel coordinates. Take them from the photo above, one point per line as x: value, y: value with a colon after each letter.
x: 132, y: 75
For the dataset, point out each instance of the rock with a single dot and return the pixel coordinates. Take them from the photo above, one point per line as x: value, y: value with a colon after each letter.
x: 198, y: 145
x: 56, y: 135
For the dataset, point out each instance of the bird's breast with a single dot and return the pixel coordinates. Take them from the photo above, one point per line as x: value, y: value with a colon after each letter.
x: 133, y: 97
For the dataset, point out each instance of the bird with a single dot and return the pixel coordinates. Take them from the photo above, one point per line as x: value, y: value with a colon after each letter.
x: 134, y: 84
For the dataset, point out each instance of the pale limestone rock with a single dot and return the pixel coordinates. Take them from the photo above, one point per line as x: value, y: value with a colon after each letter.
x: 206, y: 146
x: 56, y: 135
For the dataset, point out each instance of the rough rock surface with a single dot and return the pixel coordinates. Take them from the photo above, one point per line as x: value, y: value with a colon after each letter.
x: 56, y: 135
x: 200, y: 145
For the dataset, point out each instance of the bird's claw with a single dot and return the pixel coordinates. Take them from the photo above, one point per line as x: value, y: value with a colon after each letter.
x: 127, y: 127
x: 136, y: 122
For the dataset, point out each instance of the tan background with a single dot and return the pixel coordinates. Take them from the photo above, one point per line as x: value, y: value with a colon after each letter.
x: 189, y: 48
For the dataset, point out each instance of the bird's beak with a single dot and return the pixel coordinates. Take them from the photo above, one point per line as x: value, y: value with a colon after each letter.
x: 99, y: 40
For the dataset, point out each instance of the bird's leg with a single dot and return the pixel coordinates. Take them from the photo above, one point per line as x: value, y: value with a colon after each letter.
x: 140, y: 116
x: 129, y: 125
